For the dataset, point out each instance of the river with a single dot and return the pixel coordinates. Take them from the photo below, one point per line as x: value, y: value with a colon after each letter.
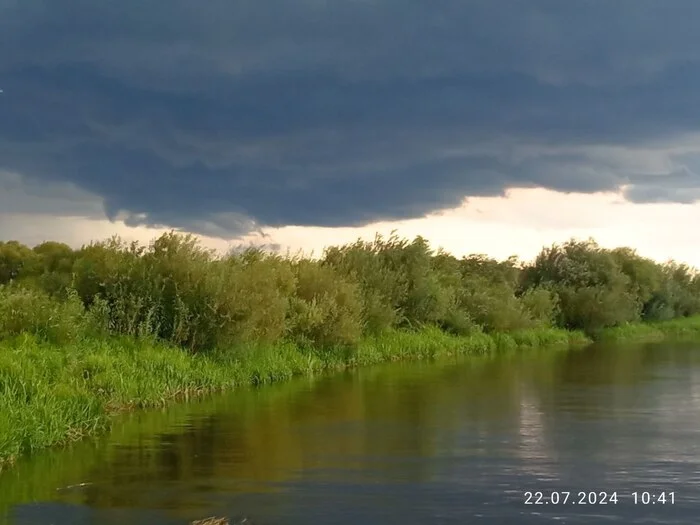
x: 452, y: 442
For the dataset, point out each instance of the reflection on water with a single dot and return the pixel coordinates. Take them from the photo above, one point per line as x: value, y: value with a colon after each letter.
x: 418, y: 443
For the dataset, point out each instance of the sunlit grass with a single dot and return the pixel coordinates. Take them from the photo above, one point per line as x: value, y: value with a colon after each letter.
x: 681, y: 328
x: 51, y: 394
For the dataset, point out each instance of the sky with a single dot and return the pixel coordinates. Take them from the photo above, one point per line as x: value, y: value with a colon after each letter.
x: 487, y: 126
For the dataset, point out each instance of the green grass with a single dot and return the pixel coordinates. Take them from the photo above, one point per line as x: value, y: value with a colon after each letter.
x: 677, y: 329
x: 53, y: 394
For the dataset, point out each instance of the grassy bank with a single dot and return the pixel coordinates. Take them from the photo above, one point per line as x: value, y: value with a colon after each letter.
x: 51, y: 394
x: 687, y: 328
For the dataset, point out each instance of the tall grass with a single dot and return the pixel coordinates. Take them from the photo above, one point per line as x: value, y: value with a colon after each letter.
x: 52, y: 394
x: 677, y: 329
x: 30, y: 311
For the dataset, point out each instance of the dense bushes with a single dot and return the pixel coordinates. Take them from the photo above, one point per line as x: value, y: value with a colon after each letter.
x: 599, y: 288
x: 26, y: 310
x: 179, y: 292
x: 325, y: 309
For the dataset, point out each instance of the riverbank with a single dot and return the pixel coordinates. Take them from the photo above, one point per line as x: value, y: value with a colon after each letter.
x: 676, y: 329
x: 54, y: 394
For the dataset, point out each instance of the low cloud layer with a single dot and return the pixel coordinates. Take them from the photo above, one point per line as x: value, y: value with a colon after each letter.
x: 239, y: 115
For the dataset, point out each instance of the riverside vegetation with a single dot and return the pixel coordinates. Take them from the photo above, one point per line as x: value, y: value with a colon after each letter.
x: 112, y: 326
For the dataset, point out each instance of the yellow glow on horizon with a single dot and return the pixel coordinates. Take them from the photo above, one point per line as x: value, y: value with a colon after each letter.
x: 520, y: 223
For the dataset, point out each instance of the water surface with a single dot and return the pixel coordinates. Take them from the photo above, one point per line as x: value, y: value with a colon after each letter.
x: 453, y: 443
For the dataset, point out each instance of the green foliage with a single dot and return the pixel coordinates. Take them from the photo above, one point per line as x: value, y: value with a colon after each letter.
x: 594, y: 308
x: 326, y: 309
x: 498, y: 273
x: 493, y: 306
x: 176, y: 291
x: 594, y: 292
x: 55, y: 257
x: 542, y: 306
x: 677, y: 329
x: 181, y: 293
x: 665, y: 291
x: 255, y: 289
x: 383, y: 281
x: 404, y: 284
x: 29, y: 311
x: 16, y: 261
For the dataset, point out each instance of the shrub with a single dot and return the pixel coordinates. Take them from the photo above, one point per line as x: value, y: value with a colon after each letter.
x: 326, y: 309
x: 175, y: 290
x: 16, y: 261
x: 542, y: 306
x: 29, y: 311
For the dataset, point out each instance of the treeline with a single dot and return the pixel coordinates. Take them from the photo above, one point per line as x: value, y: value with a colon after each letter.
x: 179, y: 292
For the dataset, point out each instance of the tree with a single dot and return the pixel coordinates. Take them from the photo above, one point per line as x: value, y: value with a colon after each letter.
x: 16, y: 261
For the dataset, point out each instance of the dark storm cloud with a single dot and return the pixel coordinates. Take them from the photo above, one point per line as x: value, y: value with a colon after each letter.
x: 220, y: 116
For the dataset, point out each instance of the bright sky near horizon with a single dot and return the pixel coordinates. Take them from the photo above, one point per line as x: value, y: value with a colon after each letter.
x: 489, y: 126
x: 520, y: 223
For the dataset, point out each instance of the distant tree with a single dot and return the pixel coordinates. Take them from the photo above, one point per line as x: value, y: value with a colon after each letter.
x: 16, y: 261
